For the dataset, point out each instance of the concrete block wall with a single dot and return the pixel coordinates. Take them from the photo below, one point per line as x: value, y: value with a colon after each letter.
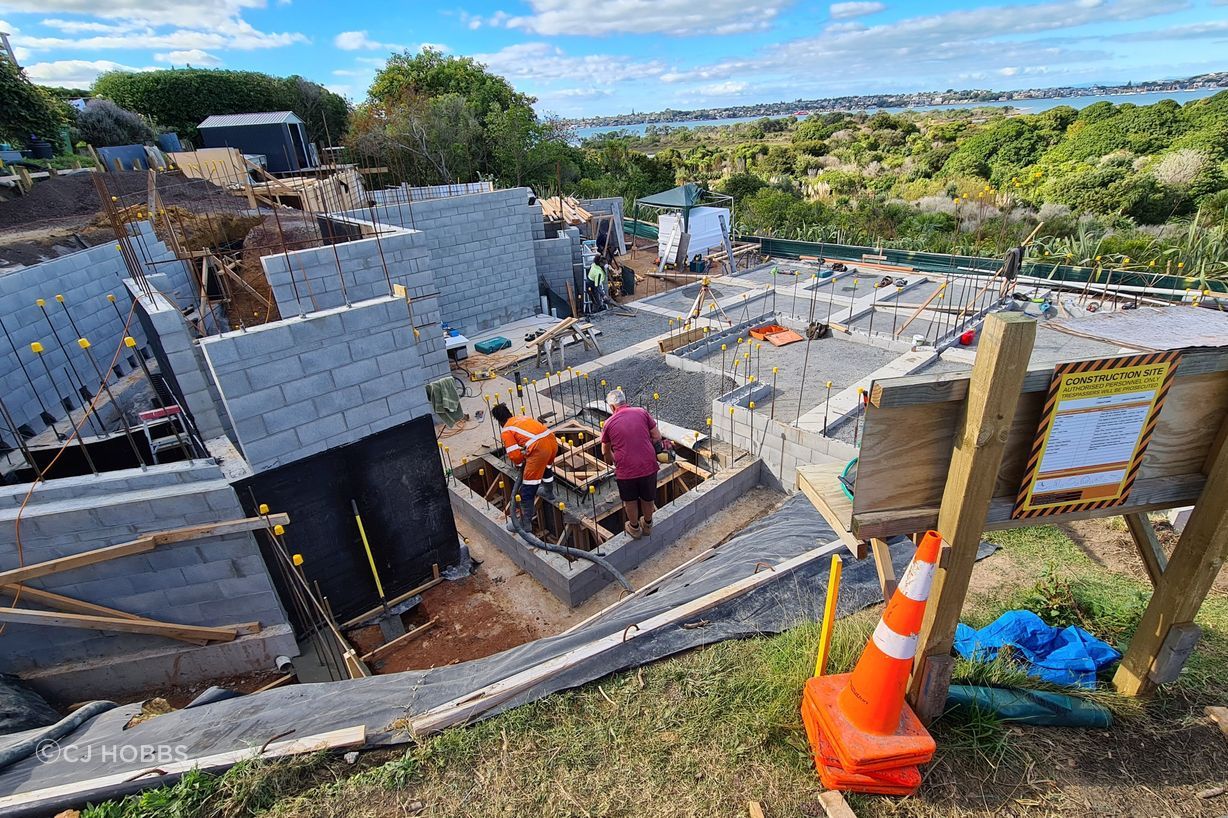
x: 481, y: 254
x: 300, y: 386
x: 320, y: 278
x: 213, y: 581
x: 554, y: 262
x: 85, y: 279
x: 180, y: 360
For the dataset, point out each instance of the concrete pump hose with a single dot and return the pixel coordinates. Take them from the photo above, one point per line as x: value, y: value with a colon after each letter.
x: 29, y: 746
x: 566, y: 551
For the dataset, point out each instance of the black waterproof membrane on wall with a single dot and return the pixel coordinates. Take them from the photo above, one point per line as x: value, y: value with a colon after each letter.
x: 396, y: 480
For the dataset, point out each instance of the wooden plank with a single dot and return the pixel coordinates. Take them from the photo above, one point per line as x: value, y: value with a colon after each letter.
x: 1219, y: 715
x: 199, y: 532
x: 755, y: 809
x: 386, y: 648
x: 820, y: 483
x: 56, y: 619
x: 835, y: 806
x: 138, y: 546
x: 1150, y: 494
x: 1002, y: 361
x: 97, y: 555
x: 479, y: 701
x: 332, y: 740
x: 906, y: 450
x: 942, y: 287
x: 70, y: 605
x: 1144, y: 536
x: 882, y: 564
x: 1195, y: 563
x: 912, y: 390
x: 397, y: 600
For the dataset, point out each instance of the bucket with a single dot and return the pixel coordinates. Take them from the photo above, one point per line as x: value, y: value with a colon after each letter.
x: 41, y: 149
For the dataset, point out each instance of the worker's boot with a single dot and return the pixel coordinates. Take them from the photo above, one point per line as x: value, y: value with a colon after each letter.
x: 646, y: 526
x: 633, y: 529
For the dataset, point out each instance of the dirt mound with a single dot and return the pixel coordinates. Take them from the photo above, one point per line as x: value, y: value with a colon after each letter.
x: 64, y: 200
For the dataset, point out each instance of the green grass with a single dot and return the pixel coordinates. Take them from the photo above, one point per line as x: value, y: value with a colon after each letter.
x: 702, y: 733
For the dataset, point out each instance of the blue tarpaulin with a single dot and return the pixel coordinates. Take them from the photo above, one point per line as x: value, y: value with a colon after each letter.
x: 1064, y: 656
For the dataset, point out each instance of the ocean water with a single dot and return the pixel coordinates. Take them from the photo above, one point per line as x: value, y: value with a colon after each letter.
x: 1030, y: 106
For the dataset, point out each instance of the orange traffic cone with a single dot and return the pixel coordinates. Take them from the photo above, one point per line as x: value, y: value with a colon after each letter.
x: 897, y: 781
x: 862, y: 714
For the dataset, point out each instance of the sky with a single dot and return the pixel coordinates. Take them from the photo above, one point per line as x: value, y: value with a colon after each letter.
x: 600, y: 57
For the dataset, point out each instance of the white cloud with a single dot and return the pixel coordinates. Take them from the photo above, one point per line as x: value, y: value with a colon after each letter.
x: 192, y: 56
x: 933, y: 51
x: 241, y: 37
x: 359, y: 41
x: 579, y: 93
x: 542, y: 62
x: 842, y: 11
x: 676, y: 17
x: 722, y: 89
x: 74, y: 73
x: 165, y: 25
x: 87, y: 27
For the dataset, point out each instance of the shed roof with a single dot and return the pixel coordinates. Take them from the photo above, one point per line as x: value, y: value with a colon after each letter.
x: 262, y: 118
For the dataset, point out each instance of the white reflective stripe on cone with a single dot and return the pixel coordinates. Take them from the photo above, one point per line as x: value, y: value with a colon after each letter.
x: 917, y: 580
x: 894, y: 645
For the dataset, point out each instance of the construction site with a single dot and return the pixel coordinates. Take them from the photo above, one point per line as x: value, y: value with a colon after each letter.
x: 256, y: 500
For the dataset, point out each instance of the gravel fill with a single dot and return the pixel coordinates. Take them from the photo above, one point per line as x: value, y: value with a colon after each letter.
x: 685, y: 398
x: 842, y: 361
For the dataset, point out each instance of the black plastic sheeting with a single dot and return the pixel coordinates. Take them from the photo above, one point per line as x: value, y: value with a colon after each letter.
x: 249, y: 721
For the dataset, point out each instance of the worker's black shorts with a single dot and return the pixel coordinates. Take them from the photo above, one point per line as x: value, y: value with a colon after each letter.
x: 643, y: 489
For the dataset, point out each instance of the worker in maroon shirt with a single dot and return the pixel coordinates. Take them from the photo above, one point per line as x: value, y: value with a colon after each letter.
x: 630, y: 437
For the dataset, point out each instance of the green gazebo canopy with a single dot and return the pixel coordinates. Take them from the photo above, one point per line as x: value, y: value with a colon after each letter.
x: 685, y: 198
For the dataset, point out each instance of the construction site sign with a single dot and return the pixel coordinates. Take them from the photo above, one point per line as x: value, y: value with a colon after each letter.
x: 1098, y: 418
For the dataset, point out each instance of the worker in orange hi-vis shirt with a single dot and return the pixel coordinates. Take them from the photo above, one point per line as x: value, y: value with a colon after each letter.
x: 532, y: 447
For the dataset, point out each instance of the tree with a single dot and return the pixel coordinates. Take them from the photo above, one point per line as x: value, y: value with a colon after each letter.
x: 451, y: 120
x: 430, y: 73
x: 181, y: 99
x: 25, y: 109
x: 104, y: 124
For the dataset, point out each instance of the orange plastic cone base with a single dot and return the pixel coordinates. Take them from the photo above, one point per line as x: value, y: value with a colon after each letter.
x: 859, y: 751
x: 899, y: 781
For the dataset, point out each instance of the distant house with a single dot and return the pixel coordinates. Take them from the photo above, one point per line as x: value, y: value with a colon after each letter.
x: 279, y: 136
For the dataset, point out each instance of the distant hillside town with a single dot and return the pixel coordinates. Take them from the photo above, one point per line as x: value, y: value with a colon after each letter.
x: 919, y: 98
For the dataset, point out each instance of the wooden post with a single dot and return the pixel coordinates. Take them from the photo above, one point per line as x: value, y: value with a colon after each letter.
x: 886, y: 571
x: 1148, y: 545
x: 1193, y: 567
x: 997, y: 381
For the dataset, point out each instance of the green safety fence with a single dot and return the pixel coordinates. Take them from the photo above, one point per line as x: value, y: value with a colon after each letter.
x: 941, y: 263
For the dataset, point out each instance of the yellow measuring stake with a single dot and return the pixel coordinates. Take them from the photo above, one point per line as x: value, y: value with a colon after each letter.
x: 362, y: 532
x: 829, y: 615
